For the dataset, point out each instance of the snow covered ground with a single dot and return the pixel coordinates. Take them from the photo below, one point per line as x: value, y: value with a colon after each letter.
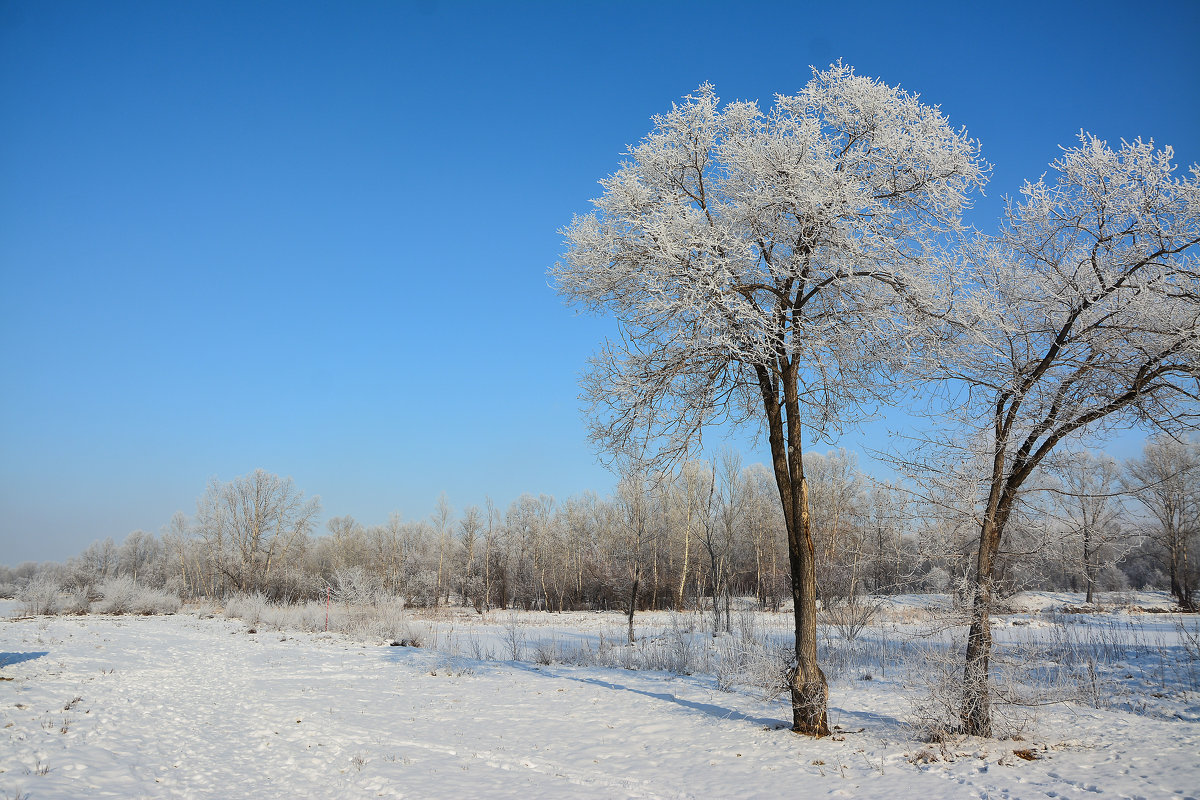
x: 194, y: 705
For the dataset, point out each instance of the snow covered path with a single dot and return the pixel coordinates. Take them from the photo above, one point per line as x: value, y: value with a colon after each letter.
x: 180, y: 706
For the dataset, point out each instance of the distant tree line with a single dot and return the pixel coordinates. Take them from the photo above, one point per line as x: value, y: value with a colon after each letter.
x: 694, y: 539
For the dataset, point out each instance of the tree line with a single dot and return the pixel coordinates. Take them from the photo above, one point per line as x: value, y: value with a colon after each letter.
x: 692, y: 540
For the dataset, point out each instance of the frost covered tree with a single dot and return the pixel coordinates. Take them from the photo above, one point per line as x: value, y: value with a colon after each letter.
x: 753, y: 260
x: 1166, y: 481
x: 635, y: 534
x: 249, y: 525
x: 1083, y: 315
x: 836, y: 497
x: 1093, y: 536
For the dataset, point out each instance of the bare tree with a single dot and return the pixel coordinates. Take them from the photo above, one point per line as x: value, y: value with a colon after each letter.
x: 1166, y: 481
x: 686, y: 501
x: 96, y: 563
x: 837, y: 497
x: 491, y: 539
x: 1083, y: 316
x: 469, y: 528
x: 249, y: 525
x: 581, y: 520
x: 720, y: 532
x: 137, y: 552
x: 633, y: 502
x: 443, y: 523
x: 348, y: 542
x: 752, y: 261
x: 176, y: 540
x: 389, y: 552
x: 886, y: 521
x: 766, y: 532
x: 1087, y: 500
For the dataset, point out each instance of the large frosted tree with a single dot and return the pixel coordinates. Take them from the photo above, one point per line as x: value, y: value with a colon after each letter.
x: 1081, y: 315
x: 766, y: 266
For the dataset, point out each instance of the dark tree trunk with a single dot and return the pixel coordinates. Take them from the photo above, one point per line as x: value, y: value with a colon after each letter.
x: 1089, y: 569
x: 633, y: 604
x: 976, y: 713
x: 809, y: 689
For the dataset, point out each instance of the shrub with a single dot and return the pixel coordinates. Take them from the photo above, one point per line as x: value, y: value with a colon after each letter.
x: 124, y: 596
x: 39, y: 596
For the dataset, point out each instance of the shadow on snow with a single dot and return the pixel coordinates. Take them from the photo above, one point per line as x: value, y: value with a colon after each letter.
x: 8, y: 659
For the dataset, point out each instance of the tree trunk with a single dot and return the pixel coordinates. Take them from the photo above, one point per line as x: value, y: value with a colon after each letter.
x: 809, y: 689
x: 654, y: 580
x: 687, y: 530
x: 632, y: 604
x: 1185, y: 589
x: 976, y: 712
x: 1089, y: 571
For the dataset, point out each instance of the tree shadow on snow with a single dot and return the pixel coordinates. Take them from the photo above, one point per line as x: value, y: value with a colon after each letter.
x: 8, y: 659
x: 720, y: 712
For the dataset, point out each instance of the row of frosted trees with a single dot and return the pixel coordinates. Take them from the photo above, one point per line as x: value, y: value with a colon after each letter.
x: 697, y: 539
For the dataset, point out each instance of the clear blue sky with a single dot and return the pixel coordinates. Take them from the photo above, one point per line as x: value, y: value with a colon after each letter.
x: 313, y: 238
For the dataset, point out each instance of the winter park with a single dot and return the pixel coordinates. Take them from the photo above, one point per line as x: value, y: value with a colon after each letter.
x: 446, y: 399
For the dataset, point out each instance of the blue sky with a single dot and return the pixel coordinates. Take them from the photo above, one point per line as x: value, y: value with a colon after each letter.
x: 313, y: 237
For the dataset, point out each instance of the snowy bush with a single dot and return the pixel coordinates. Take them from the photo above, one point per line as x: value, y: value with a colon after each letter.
x: 849, y: 616
x: 75, y: 601
x: 124, y: 596
x: 756, y: 663
x: 250, y: 608
x: 389, y: 622
x: 39, y: 596
x: 356, y: 586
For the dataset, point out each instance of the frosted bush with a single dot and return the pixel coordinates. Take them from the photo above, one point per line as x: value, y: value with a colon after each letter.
x: 117, y: 596
x: 388, y: 621
x: 356, y: 586
x: 249, y: 608
x: 384, y: 620
x: 76, y: 601
x: 308, y: 616
x: 676, y: 649
x: 153, y: 601
x: 124, y: 596
x: 39, y: 596
x: 754, y: 662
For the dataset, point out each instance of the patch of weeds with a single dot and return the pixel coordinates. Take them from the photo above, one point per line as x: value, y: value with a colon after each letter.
x: 922, y: 757
x: 545, y: 652
x: 412, y: 640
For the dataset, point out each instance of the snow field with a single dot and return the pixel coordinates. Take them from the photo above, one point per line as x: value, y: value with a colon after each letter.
x: 186, y: 706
